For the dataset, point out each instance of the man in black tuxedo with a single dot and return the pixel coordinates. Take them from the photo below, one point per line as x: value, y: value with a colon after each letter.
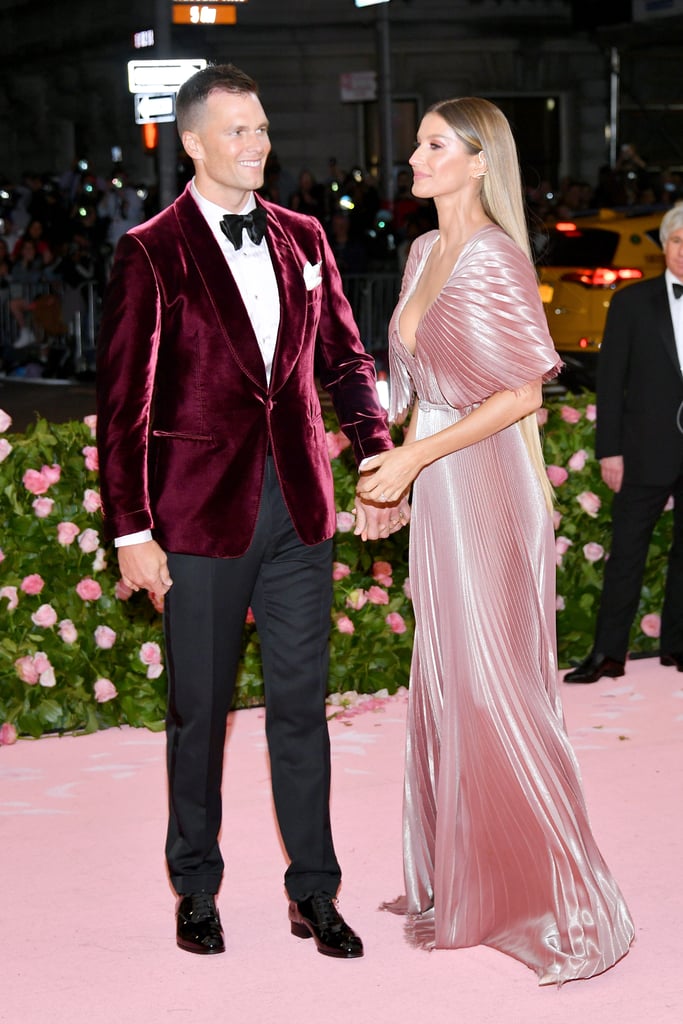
x: 639, y: 442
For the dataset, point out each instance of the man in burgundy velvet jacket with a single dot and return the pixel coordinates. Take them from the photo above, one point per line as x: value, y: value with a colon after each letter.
x: 216, y: 484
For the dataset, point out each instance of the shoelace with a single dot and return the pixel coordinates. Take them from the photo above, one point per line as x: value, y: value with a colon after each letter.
x: 202, y: 906
x: 326, y: 912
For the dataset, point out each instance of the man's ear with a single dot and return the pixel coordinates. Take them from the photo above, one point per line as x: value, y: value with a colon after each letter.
x: 191, y: 145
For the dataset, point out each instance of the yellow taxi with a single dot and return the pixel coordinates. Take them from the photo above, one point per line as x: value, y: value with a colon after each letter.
x: 581, y: 264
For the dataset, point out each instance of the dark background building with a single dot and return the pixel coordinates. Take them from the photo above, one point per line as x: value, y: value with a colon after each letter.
x: 575, y: 78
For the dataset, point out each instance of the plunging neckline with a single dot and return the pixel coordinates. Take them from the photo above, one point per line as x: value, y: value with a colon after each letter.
x: 420, y: 270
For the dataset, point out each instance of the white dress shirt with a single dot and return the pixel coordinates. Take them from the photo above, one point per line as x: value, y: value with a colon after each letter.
x: 252, y: 269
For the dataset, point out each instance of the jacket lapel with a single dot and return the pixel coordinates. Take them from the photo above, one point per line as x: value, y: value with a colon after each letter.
x: 289, y: 271
x: 663, y: 323
x: 221, y: 290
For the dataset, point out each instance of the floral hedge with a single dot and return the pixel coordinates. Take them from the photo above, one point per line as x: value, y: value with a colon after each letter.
x: 80, y: 652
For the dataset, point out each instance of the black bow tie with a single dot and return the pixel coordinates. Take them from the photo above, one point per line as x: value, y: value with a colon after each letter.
x: 233, y: 224
x: 678, y: 289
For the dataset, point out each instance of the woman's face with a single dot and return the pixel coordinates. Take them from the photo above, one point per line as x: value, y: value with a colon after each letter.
x: 441, y: 162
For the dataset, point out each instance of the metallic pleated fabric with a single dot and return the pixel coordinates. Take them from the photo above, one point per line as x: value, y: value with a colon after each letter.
x: 498, y: 849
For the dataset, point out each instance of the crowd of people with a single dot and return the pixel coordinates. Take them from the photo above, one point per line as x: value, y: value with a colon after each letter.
x: 58, y: 231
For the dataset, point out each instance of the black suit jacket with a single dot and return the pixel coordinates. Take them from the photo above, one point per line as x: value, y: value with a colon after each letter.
x: 640, y: 386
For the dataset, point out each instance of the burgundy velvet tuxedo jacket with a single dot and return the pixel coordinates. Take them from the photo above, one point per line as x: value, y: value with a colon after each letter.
x: 185, y: 415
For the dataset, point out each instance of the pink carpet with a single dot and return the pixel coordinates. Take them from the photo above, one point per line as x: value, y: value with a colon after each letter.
x: 87, y: 916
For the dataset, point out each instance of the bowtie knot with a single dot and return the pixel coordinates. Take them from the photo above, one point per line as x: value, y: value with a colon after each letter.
x: 233, y: 224
x: 678, y: 289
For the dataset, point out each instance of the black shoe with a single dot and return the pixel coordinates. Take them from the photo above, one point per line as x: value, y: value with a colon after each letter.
x: 593, y: 668
x: 673, y: 658
x: 198, y: 924
x: 317, y: 917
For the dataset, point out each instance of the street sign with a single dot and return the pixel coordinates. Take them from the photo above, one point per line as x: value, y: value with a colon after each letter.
x: 154, y: 107
x: 204, y: 14
x: 160, y: 76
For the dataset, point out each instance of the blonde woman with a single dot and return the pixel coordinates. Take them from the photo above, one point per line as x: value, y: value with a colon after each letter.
x: 497, y: 846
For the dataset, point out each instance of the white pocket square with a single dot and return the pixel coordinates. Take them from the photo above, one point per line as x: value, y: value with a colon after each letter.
x: 312, y: 276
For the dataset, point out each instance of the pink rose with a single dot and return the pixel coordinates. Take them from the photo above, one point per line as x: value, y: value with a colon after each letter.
x: 557, y: 519
x: 12, y: 598
x: 593, y: 552
x: 41, y: 661
x: 32, y: 584
x: 154, y: 671
x: 89, y: 541
x: 91, y: 500
x: 250, y: 620
x: 589, y: 502
x: 5, y: 448
x: 99, y: 562
x: 45, y: 617
x: 91, y: 458
x: 559, y: 603
x: 105, y: 637
x: 562, y: 546
x: 377, y: 595
x: 43, y: 507
x: 591, y: 413
x: 406, y: 588
x: 541, y: 417
x: 35, y: 482
x: 89, y: 589
x: 569, y: 414
x: 67, y: 533
x: 26, y: 670
x: 345, y: 522
x: 5, y: 421
x: 8, y: 734
x: 150, y: 653
x: 340, y: 570
x: 91, y: 423
x: 395, y: 622
x: 2, y: 555
x: 669, y: 504
x: 157, y: 601
x: 357, y: 599
x: 336, y: 443
x: 104, y: 690
x: 578, y: 460
x: 381, y: 571
x: 556, y: 474
x: 651, y: 624
x: 52, y: 473
x: 122, y: 591
x: 48, y: 678
x: 68, y: 631
x: 344, y: 624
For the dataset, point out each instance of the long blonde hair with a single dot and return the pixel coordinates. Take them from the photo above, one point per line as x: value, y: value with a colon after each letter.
x: 482, y: 127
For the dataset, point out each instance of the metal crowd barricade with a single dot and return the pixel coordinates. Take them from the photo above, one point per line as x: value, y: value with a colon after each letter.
x: 373, y: 298
x: 64, y: 323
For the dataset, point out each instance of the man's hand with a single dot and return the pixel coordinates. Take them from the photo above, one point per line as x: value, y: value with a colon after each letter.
x: 612, y: 469
x: 145, y: 567
x: 375, y: 522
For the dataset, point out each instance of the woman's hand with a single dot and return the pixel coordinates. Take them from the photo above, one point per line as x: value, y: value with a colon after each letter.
x: 386, y: 478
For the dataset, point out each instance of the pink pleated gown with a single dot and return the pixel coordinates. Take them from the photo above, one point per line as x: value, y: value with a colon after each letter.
x: 498, y: 849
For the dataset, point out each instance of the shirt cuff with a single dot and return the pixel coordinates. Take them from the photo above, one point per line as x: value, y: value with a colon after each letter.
x: 133, y: 538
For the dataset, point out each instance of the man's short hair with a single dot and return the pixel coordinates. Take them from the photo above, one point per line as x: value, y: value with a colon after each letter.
x: 672, y: 221
x: 195, y: 91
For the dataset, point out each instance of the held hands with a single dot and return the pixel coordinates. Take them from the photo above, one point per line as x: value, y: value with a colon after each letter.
x: 144, y: 567
x: 379, y: 521
x: 386, y: 478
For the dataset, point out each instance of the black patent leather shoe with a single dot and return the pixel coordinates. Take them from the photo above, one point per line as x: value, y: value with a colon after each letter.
x: 198, y: 926
x: 672, y: 658
x: 317, y: 918
x: 593, y: 668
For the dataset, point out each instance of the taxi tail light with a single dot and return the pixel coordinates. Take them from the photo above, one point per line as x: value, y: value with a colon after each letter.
x: 602, y: 277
